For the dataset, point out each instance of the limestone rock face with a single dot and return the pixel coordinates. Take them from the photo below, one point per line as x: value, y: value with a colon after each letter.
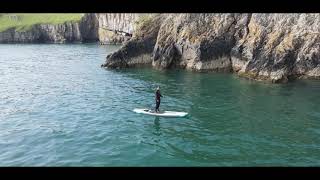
x: 108, y: 28
x: 270, y: 47
x: 278, y: 47
x: 89, y: 26
x: 196, y: 41
x: 43, y: 33
x: 138, y: 51
x: 115, y: 28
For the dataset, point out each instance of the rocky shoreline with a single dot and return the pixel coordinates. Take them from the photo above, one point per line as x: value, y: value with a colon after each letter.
x: 268, y: 47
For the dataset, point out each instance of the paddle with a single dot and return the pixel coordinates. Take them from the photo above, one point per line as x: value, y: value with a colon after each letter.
x: 152, y: 106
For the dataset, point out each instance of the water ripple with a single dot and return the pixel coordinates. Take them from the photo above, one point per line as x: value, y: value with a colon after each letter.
x: 59, y: 108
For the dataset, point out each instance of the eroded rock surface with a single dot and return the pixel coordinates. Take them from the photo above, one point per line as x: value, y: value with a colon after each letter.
x: 270, y: 47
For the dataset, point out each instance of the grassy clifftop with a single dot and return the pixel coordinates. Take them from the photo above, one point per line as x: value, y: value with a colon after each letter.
x: 25, y: 21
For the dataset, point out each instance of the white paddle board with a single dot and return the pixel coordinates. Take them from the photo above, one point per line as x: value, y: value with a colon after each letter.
x: 162, y: 114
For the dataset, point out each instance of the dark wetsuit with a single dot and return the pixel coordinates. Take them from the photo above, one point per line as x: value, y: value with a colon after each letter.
x: 158, y: 95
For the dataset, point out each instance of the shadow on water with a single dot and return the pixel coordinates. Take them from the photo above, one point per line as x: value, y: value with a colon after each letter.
x: 157, y: 126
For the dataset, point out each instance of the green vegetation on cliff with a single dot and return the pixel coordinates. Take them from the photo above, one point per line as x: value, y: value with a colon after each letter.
x: 25, y: 21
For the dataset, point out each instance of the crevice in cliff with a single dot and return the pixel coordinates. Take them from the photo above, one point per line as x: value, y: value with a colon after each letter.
x: 247, y: 24
x: 234, y: 22
x: 239, y: 47
x: 117, y: 31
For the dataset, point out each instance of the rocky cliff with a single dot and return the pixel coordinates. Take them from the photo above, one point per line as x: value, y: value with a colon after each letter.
x: 67, y: 32
x: 53, y: 33
x: 270, y: 47
x: 115, y: 28
x: 137, y: 51
x: 108, y: 28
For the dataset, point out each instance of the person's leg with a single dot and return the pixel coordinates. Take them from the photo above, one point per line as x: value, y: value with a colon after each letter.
x: 157, y: 106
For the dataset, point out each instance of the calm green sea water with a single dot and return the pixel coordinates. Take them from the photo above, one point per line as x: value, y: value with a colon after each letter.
x: 59, y: 108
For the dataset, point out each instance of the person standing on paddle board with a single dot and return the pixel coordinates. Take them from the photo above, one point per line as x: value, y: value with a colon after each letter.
x: 158, y: 99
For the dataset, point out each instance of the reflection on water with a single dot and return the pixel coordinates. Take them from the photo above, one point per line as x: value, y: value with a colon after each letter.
x: 157, y: 126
